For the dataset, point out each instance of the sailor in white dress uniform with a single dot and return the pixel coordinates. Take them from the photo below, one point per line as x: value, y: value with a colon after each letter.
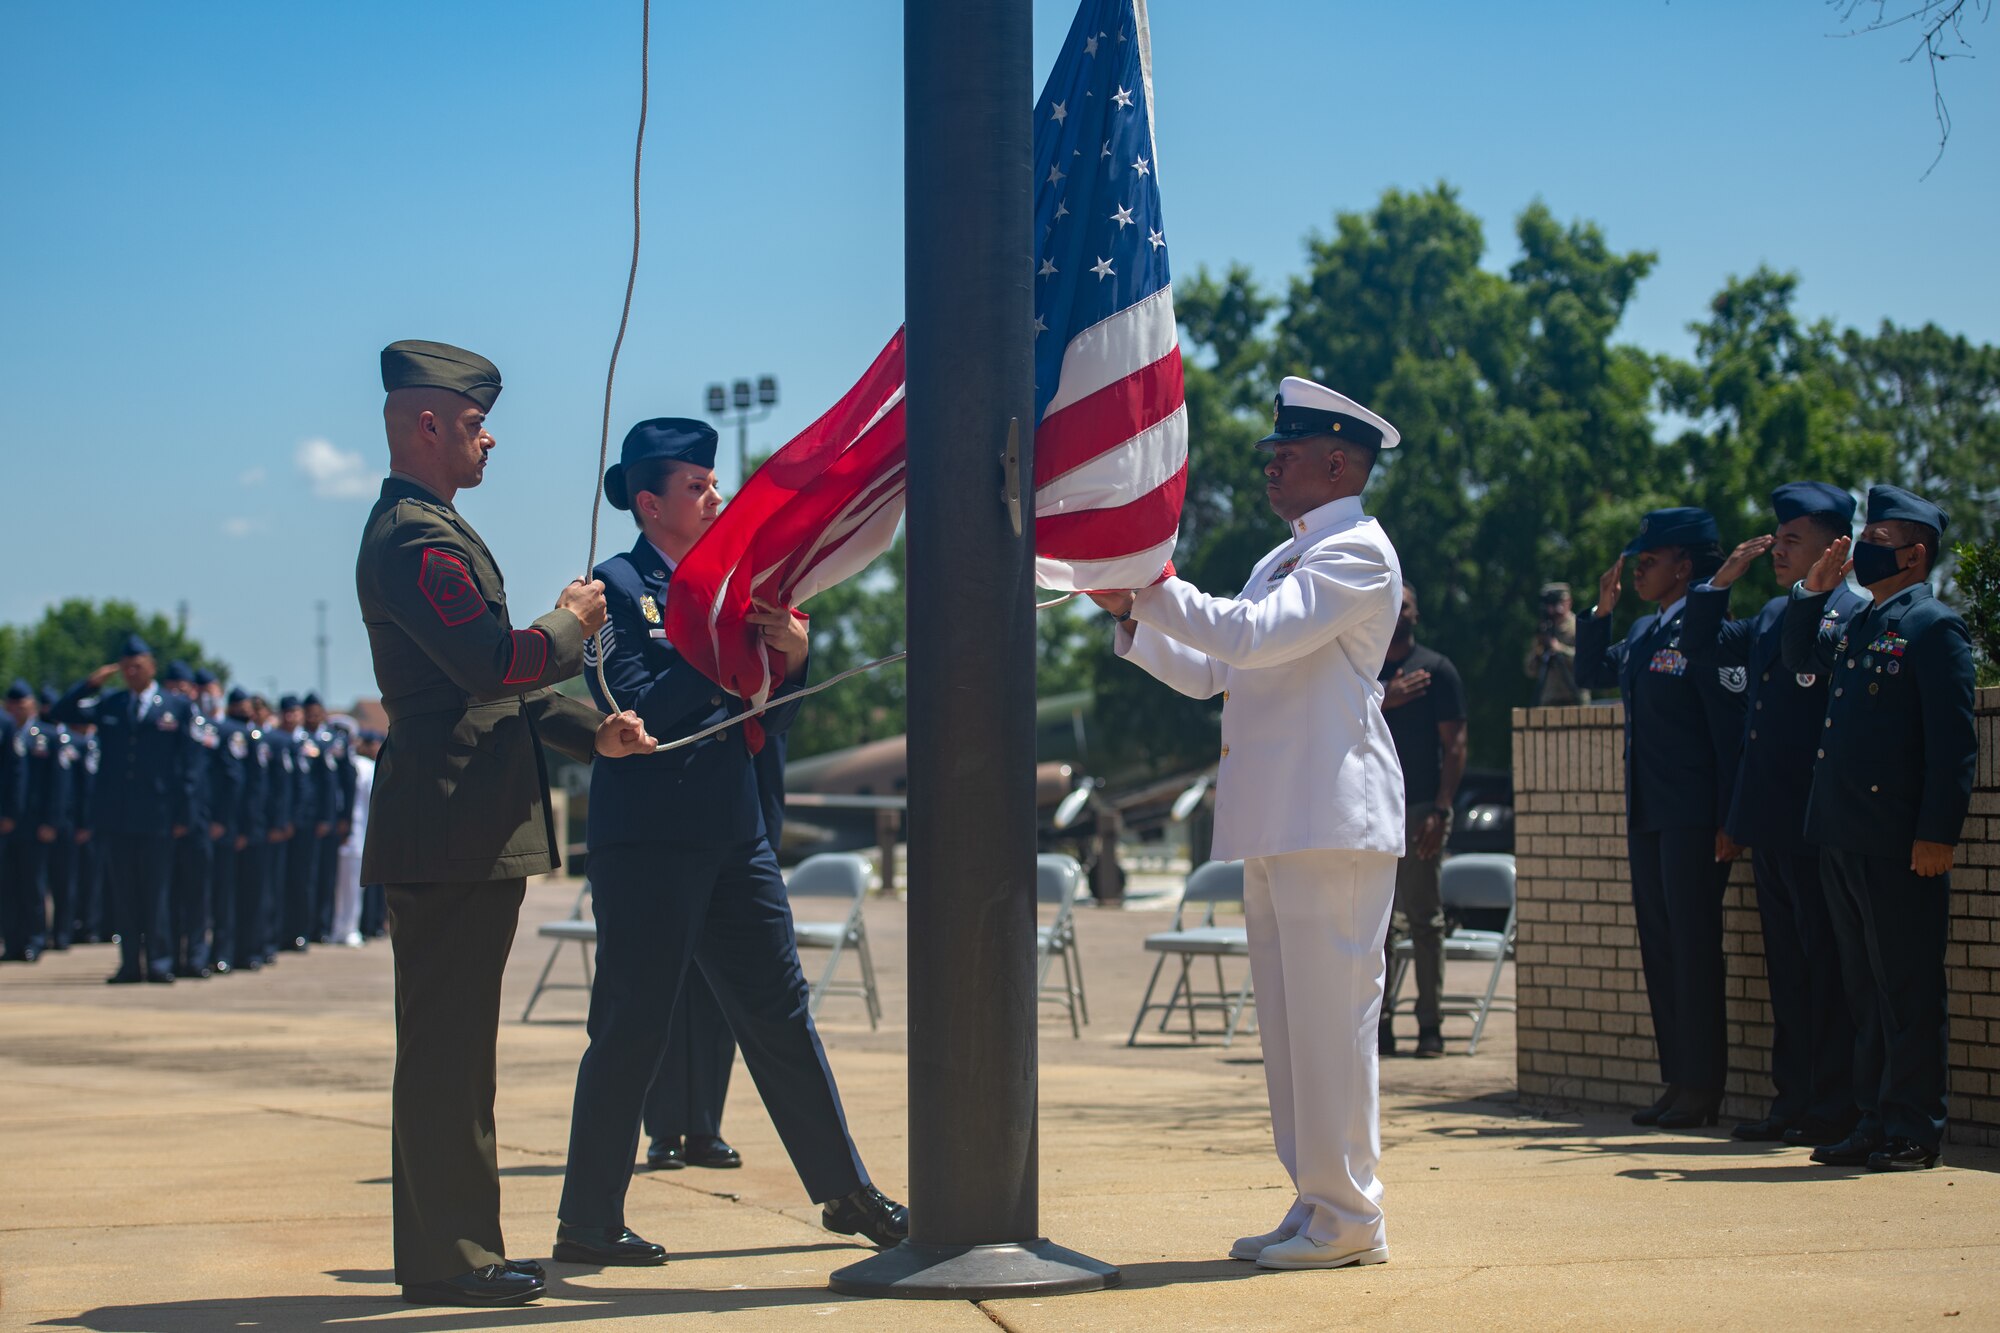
x: 1310, y: 798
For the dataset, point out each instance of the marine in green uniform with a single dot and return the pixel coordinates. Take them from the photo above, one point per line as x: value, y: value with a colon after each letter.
x: 461, y: 810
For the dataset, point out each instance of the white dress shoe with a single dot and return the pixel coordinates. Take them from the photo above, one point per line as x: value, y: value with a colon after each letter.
x: 1252, y: 1246
x: 1305, y: 1252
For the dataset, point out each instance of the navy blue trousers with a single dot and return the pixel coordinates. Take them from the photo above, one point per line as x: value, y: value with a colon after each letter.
x: 63, y: 859
x: 301, y: 869
x: 692, y: 1082
x: 661, y: 907
x: 1891, y: 926
x: 24, y: 902
x: 141, y: 870
x: 1677, y: 887
x: 223, y: 860
x: 191, y: 909
x: 326, y: 875
x: 1812, y: 1035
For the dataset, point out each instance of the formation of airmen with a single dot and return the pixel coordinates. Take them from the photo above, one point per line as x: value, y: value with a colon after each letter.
x: 201, y: 830
x: 1830, y: 737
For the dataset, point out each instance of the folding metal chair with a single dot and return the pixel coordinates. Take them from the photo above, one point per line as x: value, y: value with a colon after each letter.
x: 1058, y: 879
x: 1471, y: 882
x: 1212, y: 885
x: 842, y: 877
x: 576, y: 929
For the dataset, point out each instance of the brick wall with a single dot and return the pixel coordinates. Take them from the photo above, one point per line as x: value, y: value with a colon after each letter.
x: 1585, y: 1035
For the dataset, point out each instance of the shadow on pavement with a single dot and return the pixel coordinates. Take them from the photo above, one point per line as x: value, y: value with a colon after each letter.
x: 569, y: 1305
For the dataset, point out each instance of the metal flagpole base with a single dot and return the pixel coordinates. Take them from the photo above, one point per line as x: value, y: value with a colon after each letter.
x: 974, y: 1272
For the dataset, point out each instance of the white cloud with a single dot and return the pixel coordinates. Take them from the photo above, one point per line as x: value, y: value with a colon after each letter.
x: 251, y: 476
x: 243, y: 527
x: 335, y: 473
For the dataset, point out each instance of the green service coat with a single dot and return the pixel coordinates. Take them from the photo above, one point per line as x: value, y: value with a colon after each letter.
x: 461, y: 787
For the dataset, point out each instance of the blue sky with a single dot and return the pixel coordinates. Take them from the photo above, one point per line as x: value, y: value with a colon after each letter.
x: 214, y: 214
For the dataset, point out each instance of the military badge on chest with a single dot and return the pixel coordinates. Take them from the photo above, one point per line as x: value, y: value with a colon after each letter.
x: 1670, y: 660
x: 649, y: 609
x: 1285, y: 567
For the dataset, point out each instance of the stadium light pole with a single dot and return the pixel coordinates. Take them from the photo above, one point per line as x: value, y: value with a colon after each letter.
x: 970, y: 397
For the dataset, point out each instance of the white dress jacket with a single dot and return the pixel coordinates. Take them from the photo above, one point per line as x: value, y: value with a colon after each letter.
x: 1307, y: 760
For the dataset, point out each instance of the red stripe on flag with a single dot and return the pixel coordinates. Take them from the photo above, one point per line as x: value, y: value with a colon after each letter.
x: 1106, y: 534
x: 1099, y: 423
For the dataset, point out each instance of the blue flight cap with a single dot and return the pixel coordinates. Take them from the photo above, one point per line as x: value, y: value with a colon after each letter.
x: 48, y: 696
x: 287, y: 702
x: 134, y: 646
x: 237, y: 695
x: 681, y: 439
x: 1893, y: 504
x: 204, y: 677
x: 1797, y: 499
x: 19, y: 690
x: 311, y: 700
x: 177, y: 673
x: 1674, y: 527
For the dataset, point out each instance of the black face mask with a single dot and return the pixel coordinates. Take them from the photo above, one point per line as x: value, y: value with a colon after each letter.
x: 1874, y: 562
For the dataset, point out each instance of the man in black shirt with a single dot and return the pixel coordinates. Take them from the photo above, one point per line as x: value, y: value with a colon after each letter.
x: 1424, y: 703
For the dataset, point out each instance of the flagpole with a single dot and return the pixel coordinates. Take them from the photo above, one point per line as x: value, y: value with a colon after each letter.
x: 969, y: 247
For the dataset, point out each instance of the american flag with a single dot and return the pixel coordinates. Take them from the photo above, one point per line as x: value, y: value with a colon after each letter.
x: 1111, y: 433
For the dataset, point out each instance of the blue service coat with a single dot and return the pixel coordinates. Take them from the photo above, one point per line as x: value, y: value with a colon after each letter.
x: 145, y: 783
x: 1784, y: 715
x: 703, y: 793
x: 1683, y: 722
x: 48, y: 754
x: 1898, y: 747
x: 229, y: 775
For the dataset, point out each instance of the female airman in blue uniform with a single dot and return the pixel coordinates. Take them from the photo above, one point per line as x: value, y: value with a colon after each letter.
x: 683, y: 876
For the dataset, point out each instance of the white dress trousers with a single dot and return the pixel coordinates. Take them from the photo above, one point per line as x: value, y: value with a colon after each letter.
x: 1317, y: 924
x: 347, y: 872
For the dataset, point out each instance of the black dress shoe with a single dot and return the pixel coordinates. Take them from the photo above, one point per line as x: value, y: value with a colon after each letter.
x: 665, y: 1155
x: 1854, y: 1150
x: 223, y: 967
x: 1811, y: 1132
x: 1430, y: 1044
x: 495, y: 1284
x: 1651, y: 1114
x: 23, y: 956
x: 1693, y: 1110
x: 194, y: 973
x: 869, y: 1214
x: 250, y: 965
x: 1771, y: 1129
x: 709, y: 1150
x: 1385, y: 1040
x: 612, y: 1247
x: 161, y: 976
x: 525, y: 1267
x: 123, y: 979
x: 1902, y: 1155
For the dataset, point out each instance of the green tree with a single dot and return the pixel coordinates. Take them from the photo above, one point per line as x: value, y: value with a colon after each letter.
x: 1978, y: 580
x: 852, y: 623
x: 1935, y: 398
x: 79, y: 635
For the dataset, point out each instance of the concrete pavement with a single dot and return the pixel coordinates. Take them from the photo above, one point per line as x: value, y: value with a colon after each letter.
x: 215, y: 1155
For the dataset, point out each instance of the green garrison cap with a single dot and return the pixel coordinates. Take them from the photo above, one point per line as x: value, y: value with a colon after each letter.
x: 415, y: 364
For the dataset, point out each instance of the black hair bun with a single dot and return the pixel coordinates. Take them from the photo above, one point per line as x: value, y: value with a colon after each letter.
x: 614, y: 487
